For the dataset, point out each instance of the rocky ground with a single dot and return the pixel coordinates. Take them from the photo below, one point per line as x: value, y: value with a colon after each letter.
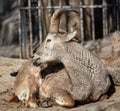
x: 8, y: 65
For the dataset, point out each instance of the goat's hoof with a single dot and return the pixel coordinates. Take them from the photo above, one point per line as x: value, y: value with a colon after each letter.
x: 46, y: 103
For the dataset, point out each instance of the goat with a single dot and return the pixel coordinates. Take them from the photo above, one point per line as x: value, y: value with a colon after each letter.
x: 90, y: 79
x: 33, y: 89
x: 26, y: 85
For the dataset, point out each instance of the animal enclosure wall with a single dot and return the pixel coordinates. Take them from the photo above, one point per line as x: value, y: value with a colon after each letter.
x: 96, y: 18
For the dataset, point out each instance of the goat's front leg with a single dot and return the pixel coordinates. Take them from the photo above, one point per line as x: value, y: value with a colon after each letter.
x: 33, y: 99
x: 58, y: 97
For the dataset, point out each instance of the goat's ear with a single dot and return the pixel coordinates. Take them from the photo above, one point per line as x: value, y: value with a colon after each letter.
x: 70, y: 36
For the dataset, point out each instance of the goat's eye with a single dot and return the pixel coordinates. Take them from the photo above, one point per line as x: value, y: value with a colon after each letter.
x: 48, y: 40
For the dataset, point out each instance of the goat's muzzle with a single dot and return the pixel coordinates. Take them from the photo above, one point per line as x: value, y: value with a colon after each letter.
x: 36, y: 62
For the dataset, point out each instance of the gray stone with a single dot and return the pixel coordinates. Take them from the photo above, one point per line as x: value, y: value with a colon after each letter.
x: 114, y: 70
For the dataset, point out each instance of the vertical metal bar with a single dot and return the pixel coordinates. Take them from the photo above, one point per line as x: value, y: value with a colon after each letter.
x: 19, y: 30
x: 114, y: 15
x: 116, y: 12
x: 106, y: 10
x: 40, y: 22
x: 105, y: 25
x: 30, y: 29
x: 82, y: 23
x: 93, y: 21
x: 119, y: 13
x: 50, y: 10
x: 60, y: 3
x: 117, y: 9
x: 109, y: 17
x: 23, y: 31
x: 71, y: 15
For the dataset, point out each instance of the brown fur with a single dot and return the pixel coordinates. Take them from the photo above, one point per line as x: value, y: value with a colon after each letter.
x: 32, y: 88
x: 26, y: 86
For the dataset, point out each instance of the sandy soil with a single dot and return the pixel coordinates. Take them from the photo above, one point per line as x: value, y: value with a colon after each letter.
x: 8, y: 65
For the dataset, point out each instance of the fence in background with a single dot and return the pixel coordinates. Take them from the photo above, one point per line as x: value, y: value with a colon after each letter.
x: 96, y: 19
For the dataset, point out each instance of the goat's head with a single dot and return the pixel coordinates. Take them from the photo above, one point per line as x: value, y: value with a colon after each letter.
x: 55, y: 40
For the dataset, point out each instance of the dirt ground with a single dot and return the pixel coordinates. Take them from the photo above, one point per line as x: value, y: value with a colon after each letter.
x: 8, y: 65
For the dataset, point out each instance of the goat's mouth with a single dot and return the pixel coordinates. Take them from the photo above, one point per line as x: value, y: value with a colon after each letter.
x: 36, y: 62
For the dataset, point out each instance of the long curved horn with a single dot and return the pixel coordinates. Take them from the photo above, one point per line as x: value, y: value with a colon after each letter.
x: 55, y: 19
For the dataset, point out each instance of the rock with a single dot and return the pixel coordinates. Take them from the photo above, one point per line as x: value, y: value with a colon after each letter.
x: 94, y: 108
x: 106, y: 49
x: 116, y: 44
x: 105, y: 46
x: 10, y: 51
x: 112, y: 104
x: 114, y: 70
x: 110, y: 47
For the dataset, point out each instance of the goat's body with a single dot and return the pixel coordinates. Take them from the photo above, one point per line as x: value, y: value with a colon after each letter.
x: 82, y: 66
x: 88, y: 76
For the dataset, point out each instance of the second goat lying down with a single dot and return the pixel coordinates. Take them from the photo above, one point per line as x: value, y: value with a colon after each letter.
x: 34, y: 84
x: 26, y: 86
x: 89, y: 78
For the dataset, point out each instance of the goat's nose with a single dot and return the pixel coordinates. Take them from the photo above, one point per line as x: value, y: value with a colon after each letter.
x: 36, y: 59
x: 36, y: 62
